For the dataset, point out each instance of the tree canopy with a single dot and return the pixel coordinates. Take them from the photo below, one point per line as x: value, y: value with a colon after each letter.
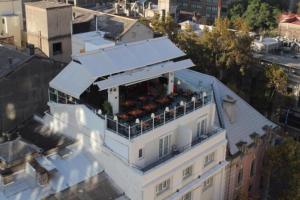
x: 283, y: 168
x: 258, y: 14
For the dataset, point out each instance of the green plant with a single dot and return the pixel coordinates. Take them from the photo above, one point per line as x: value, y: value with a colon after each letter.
x: 107, y: 108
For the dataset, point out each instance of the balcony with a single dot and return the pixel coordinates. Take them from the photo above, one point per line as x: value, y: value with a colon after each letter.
x: 178, y: 151
x: 176, y: 107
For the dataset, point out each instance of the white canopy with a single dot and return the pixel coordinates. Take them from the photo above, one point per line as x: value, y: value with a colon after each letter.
x: 73, y: 80
x: 129, y: 56
x: 86, y: 68
x: 144, y: 73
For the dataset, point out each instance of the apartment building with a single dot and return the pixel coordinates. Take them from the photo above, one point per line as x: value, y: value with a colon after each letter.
x: 248, y: 132
x: 154, y: 134
x: 207, y: 10
x: 49, y: 28
x: 11, y: 22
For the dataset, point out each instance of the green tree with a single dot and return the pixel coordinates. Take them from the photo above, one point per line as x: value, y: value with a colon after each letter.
x: 165, y: 26
x: 237, y: 9
x: 260, y: 16
x: 276, y: 83
x: 283, y: 169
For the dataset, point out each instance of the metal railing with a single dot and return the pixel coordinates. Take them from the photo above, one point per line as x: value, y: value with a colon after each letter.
x: 175, y: 151
x: 154, y: 121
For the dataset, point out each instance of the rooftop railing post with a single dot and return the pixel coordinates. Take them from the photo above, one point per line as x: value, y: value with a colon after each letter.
x: 141, y: 127
x: 117, y: 126
x: 129, y: 132
x: 174, y: 112
x: 184, y: 108
x: 164, y: 117
x: 153, y: 117
x: 105, y: 118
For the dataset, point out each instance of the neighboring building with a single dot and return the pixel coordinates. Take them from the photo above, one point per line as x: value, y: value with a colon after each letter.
x: 49, y: 163
x: 266, y: 45
x: 208, y: 10
x: 89, y: 41
x: 23, y: 85
x: 248, y: 133
x: 11, y: 22
x: 289, y: 26
x: 117, y: 28
x: 291, y: 65
x: 49, y: 28
x: 156, y: 136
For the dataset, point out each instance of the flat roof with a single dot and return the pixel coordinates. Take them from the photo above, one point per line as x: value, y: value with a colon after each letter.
x: 288, y: 60
x: 47, y: 4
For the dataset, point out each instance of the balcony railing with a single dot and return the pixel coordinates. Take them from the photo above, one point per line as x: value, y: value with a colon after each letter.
x: 176, y: 151
x: 155, y: 121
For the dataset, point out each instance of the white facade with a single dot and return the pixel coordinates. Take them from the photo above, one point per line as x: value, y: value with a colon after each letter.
x: 11, y: 23
x: 182, y: 157
x: 90, y: 41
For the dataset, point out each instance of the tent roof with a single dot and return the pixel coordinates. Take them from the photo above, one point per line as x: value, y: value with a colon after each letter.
x: 88, y: 67
x: 144, y: 73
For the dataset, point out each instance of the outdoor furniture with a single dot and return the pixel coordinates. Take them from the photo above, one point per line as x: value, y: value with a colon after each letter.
x: 143, y: 98
x: 129, y: 103
x: 163, y: 100
x: 123, y: 116
x: 136, y: 113
x: 149, y: 107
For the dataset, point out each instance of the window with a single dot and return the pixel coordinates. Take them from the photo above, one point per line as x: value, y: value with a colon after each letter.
x: 202, y: 127
x: 53, y: 95
x: 252, y: 170
x: 187, y: 172
x: 140, y: 153
x: 187, y: 196
x: 163, y: 186
x: 240, y: 177
x: 3, y: 21
x: 209, y: 159
x: 57, y: 48
x: 207, y: 183
x: 164, y: 146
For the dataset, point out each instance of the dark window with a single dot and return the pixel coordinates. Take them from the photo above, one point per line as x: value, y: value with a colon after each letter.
x: 3, y: 21
x: 289, y: 90
x: 250, y: 188
x: 252, y: 170
x: 140, y: 153
x: 57, y: 48
x: 240, y: 177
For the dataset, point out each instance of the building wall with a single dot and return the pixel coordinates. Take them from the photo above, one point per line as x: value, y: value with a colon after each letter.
x: 291, y: 31
x: 243, y: 162
x: 79, y: 122
x: 48, y: 26
x: 137, y: 33
x: 9, y: 7
x: 25, y: 92
x: 11, y: 27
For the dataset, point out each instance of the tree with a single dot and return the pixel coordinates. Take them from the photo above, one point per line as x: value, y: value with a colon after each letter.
x: 260, y: 16
x: 282, y: 166
x: 237, y: 9
x: 165, y: 26
x: 276, y: 83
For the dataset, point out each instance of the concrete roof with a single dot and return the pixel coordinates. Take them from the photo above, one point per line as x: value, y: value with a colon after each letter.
x: 16, y: 56
x: 47, y: 4
x: 247, y: 120
x: 113, y: 24
x: 287, y: 60
x: 15, y: 150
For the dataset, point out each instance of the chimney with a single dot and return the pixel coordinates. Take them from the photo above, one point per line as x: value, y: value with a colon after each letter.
x: 31, y: 49
x: 230, y: 108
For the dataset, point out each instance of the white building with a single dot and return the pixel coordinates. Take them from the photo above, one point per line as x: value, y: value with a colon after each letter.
x: 89, y: 41
x: 266, y: 45
x: 161, y: 138
x: 11, y: 23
